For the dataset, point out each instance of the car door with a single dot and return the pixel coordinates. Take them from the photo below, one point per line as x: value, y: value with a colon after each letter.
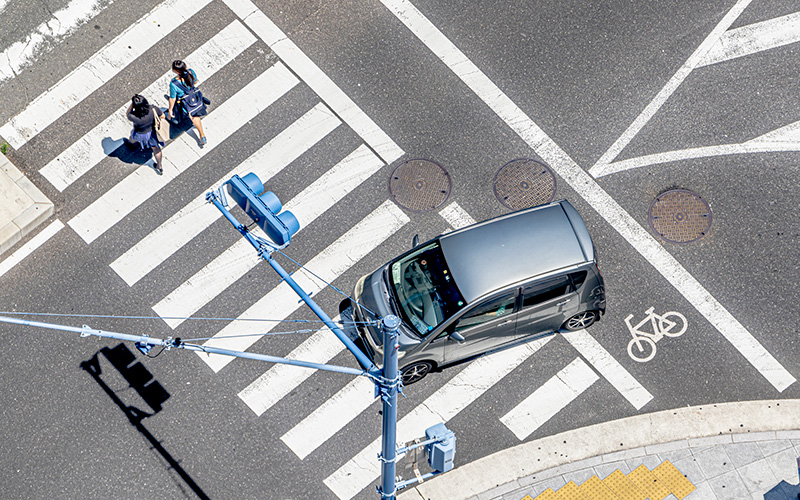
x: 546, y: 305
x: 487, y: 325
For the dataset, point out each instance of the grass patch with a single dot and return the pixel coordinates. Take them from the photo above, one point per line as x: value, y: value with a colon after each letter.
x: 4, y: 147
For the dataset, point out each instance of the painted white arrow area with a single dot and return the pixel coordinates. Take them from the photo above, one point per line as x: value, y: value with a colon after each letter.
x: 786, y: 138
x: 754, y: 38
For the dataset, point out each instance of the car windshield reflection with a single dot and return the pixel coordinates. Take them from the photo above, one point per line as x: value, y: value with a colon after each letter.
x: 425, y: 288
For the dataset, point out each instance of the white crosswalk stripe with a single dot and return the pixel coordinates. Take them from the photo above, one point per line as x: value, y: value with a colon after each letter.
x: 280, y: 380
x: 192, y: 219
x: 119, y: 201
x: 329, y: 264
x: 458, y: 393
x: 549, y: 399
x: 238, y: 259
x: 98, y: 69
x: 96, y: 144
x: 331, y: 417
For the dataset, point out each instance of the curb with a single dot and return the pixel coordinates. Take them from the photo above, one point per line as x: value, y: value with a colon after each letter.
x: 704, y: 425
x: 23, y: 206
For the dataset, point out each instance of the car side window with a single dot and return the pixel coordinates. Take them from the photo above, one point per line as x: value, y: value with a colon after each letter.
x: 546, y: 290
x: 488, y: 311
x: 578, y: 279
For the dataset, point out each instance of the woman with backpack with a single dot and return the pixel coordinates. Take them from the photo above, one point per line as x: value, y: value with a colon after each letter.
x: 143, y: 115
x: 184, y: 86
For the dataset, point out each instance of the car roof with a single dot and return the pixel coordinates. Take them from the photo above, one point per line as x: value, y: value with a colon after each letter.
x: 514, y: 247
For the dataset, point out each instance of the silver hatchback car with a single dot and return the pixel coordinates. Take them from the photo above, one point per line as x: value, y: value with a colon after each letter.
x: 482, y: 288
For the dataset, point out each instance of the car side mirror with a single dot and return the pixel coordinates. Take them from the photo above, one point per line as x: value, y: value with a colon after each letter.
x: 457, y: 337
x: 415, y: 241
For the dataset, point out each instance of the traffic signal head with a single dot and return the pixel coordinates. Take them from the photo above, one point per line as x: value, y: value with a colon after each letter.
x: 264, y: 209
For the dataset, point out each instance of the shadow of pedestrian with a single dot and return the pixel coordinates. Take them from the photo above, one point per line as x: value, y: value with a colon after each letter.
x: 126, y: 152
x: 783, y: 491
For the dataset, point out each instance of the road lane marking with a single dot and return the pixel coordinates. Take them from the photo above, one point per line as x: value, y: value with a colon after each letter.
x: 195, y: 217
x: 672, y: 85
x: 549, y: 399
x: 319, y: 82
x: 29, y: 247
x: 456, y: 216
x: 458, y: 393
x: 784, y: 139
x: 329, y: 264
x: 609, y: 368
x: 209, y: 282
x: 753, y: 38
x: 97, y: 144
x: 280, y: 380
x: 127, y: 195
x: 98, y: 69
x: 331, y: 417
x: 62, y: 23
x: 588, y: 189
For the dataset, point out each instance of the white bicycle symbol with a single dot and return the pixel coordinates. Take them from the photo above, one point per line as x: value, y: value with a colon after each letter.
x: 643, y: 346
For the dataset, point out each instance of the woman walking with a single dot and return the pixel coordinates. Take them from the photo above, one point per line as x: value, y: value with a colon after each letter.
x: 143, y: 115
x: 184, y: 83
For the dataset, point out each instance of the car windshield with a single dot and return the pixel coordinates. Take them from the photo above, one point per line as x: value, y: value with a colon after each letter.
x: 425, y: 288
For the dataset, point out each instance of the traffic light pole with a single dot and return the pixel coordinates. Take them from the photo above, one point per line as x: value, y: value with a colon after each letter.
x: 389, y: 386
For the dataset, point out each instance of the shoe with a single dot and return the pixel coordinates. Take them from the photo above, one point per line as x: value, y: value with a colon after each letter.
x: 159, y: 170
x: 203, y: 141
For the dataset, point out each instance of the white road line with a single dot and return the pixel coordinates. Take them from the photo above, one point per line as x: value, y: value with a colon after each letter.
x: 319, y: 82
x: 192, y: 219
x: 786, y: 134
x: 116, y: 203
x: 608, y: 367
x: 98, y: 69
x: 238, y: 259
x: 29, y: 247
x: 754, y: 38
x: 63, y: 22
x: 588, y: 189
x: 329, y: 264
x: 107, y: 136
x: 331, y: 417
x: 549, y: 399
x: 456, y: 216
x: 458, y: 393
x: 280, y: 380
x: 672, y: 85
x: 749, y: 147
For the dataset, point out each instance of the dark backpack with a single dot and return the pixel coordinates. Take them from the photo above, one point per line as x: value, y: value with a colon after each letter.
x: 192, y: 99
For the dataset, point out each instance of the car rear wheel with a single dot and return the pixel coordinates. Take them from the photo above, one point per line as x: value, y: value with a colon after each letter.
x: 580, y: 321
x: 415, y: 372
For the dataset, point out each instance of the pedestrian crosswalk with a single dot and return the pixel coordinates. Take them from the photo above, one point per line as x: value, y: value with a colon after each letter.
x: 318, y: 127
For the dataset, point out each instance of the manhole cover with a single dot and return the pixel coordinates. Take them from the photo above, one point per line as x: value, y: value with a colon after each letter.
x: 419, y: 185
x: 524, y: 183
x: 680, y: 216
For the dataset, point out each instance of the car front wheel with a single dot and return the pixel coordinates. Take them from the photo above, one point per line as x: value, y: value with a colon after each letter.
x: 415, y: 372
x: 580, y: 321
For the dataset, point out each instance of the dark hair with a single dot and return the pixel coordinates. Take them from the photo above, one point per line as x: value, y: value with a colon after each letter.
x: 140, y: 106
x: 183, y: 72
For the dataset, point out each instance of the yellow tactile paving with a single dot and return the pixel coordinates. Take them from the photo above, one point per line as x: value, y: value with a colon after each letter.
x: 571, y: 491
x: 672, y: 478
x: 597, y: 490
x: 623, y: 487
x: 547, y: 494
x: 647, y: 482
x: 528, y: 497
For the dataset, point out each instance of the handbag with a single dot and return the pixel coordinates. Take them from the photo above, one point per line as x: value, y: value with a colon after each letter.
x: 161, y: 127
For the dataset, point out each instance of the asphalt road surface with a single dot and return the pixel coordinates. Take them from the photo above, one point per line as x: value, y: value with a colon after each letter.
x: 672, y: 128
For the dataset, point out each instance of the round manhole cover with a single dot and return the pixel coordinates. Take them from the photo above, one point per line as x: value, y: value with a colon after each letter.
x: 680, y: 216
x: 524, y: 183
x: 419, y: 185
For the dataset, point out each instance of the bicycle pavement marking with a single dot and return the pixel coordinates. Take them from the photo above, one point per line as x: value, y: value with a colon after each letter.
x: 585, y: 185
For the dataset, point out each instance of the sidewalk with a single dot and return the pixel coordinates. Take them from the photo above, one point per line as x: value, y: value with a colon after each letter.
x: 22, y: 205
x: 729, y: 451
